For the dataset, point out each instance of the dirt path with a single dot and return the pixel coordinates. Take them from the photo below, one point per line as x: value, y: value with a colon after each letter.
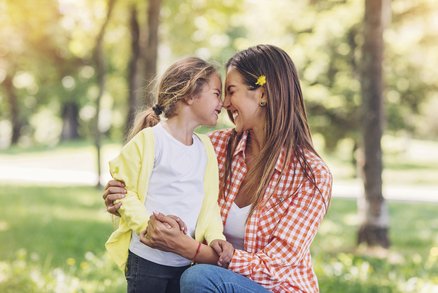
x: 78, y: 168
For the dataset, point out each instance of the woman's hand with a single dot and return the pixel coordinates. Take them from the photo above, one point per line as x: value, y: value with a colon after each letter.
x: 114, y: 190
x: 182, y: 225
x: 163, y: 233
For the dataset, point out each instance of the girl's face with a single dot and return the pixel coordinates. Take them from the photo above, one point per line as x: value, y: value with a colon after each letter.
x: 207, y: 106
x: 243, y: 103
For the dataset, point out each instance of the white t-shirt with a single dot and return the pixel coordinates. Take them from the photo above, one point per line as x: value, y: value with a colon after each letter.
x: 234, y: 229
x: 176, y: 187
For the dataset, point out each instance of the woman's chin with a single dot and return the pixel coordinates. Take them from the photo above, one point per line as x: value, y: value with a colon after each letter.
x: 238, y: 128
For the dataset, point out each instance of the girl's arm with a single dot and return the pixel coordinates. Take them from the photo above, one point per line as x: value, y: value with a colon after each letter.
x: 126, y: 168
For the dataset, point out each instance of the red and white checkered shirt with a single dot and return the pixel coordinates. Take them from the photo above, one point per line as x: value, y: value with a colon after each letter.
x: 279, y: 233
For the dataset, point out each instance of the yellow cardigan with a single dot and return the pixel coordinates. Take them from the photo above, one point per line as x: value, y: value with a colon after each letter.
x: 134, y: 166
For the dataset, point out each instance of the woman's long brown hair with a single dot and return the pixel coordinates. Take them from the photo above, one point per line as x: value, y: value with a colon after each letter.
x: 286, y: 120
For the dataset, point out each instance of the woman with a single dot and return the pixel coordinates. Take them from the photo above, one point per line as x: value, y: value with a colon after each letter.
x: 274, y: 187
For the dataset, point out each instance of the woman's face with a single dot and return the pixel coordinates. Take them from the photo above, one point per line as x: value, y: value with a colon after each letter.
x: 207, y: 106
x: 243, y: 103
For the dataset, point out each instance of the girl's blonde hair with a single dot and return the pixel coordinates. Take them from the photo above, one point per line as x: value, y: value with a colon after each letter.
x: 183, y: 79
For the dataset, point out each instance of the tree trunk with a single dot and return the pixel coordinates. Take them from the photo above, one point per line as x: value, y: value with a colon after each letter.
x: 151, y: 47
x: 14, y: 115
x: 135, y: 72
x: 70, y: 121
x: 372, y: 207
x: 99, y: 61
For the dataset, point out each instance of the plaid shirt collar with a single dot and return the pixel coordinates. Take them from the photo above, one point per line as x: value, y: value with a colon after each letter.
x: 241, y: 146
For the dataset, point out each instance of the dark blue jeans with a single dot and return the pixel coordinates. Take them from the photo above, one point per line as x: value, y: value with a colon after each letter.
x: 146, y: 276
x: 209, y: 278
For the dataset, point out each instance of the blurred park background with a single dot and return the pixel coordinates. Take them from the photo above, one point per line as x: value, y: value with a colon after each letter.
x: 74, y: 72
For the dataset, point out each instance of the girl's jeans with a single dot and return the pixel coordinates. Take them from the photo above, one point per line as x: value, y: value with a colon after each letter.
x: 146, y: 276
x: 210, y: 278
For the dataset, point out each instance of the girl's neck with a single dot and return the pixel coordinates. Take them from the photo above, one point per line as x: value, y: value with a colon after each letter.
x: 180, y: 129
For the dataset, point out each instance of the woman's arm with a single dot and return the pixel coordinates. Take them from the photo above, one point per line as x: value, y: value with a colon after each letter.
x: 164, y: 233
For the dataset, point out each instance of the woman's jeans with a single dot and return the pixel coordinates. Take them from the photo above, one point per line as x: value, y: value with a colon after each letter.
x: 210, y: 278
x: 146, y: 276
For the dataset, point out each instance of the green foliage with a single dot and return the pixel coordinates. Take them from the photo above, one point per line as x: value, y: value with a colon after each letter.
x: 48, y: 57
x: 52, y: 240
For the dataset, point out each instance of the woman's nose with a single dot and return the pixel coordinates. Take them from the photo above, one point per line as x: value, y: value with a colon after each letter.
x: 226, y: 102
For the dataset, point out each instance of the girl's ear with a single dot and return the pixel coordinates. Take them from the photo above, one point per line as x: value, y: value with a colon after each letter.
x: 188, y: 100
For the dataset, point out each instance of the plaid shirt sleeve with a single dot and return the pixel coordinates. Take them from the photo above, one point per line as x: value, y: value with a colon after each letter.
x: 291, y: 237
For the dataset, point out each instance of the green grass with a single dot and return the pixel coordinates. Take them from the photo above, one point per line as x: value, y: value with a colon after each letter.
x: 52, y: 240
x: 56, y: 235
x: 410, y: 265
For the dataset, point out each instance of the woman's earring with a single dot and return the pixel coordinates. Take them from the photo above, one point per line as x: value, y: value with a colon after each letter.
x: 262, y: 103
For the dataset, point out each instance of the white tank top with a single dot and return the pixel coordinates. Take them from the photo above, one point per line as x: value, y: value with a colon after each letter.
x: 234, y: 229
x: 176, y: 187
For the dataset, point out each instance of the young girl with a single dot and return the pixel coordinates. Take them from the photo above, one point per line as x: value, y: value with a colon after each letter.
x: 168, y: 169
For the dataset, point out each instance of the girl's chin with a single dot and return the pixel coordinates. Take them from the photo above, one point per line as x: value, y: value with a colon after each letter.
x: 211, y: 123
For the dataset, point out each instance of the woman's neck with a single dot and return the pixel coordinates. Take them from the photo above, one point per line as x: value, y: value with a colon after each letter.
x: 255, y: 142
x: 180, y: 129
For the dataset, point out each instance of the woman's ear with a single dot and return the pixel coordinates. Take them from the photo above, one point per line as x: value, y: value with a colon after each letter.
x: 262, y: 97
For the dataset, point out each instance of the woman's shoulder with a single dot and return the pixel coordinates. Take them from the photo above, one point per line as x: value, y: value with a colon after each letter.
x: 219, y: 139
x: 220, y: 136
x: 317, y: 164
x: 226, y: 132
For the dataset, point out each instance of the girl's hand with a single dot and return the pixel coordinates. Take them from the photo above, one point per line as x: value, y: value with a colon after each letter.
x: 224, y: 250
x: 114, y: 190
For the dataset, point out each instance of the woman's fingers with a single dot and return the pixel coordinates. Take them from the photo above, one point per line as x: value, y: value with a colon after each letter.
x: 114, y: 209
x: 115, y: 183
x: 171, y: 223
x: 110, y: 204
x: 113, y: 190
x: 182, y: 225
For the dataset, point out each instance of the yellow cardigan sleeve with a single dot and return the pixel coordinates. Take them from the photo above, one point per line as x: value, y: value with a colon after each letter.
x: 210, y: 222
x: 127, y: 168
x: 133, y: 166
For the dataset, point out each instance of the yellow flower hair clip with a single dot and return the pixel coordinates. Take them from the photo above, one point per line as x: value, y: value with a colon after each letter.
x: 261, y: 80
